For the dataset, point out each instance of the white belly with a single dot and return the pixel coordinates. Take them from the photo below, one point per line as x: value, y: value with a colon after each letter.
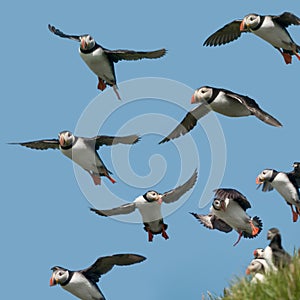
x: 274, y: 35
x: 80, y: 287
x: 229, y: 107
x: 150, y: 211
x: 99, y: 64
x: 84, y: 157
x: 286, y: 189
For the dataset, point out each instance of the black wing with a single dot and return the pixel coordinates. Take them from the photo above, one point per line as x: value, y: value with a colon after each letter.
x: 120, y: 210
x: 234, y: 195
x: 117, y: 55
x: 40, y: 145
x: 188, y: 123
x: 63, y: 35
x: 253, y: 108
x: 210, y: 221
x: 175, y: 194
x: 104, y: 264
x: 286, y: 19
x: 101, y: 140
x: 226, y: 34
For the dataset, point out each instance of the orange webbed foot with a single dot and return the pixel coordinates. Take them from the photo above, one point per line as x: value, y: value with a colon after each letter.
x: 101, y: 84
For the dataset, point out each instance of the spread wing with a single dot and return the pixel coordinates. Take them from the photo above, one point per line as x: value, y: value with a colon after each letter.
x: 234, y: 195
x: 254, y: 108
x: 121, y: 210
x: 210, y: 221
x: 40, y: 145
x: 226, y: 34
x: 63, y: 35
x: 188, y: 123
x: 101, y: 140
x: 175, y: 194
x: 104, y: 264
x: 117, y: 55
x: 286, y: 19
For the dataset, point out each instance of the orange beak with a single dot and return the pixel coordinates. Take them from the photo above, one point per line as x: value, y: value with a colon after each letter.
x: 247, y: 271
x: 160, y: 200
x: 242, y: 26
x: 255, y: 253
x: 193, y: 100
x: 52, y: 281
x: 82, y: 43
x: 61, y: 140
x: 258, y: 180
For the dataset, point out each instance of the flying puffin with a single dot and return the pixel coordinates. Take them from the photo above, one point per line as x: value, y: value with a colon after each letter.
x: 228, y: 211
x: 286, y: 186
x: 280, y: 257
x: 82, y: 283
x: 101, y: 60
x: 272, y: 29
x: 296, y: 172
x: 149, y: 206
x: 258, y: 267
x: 83, y: 151
x: 222, y: 101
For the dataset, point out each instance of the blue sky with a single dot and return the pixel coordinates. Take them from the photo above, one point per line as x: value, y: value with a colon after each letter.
x: 46, y: 88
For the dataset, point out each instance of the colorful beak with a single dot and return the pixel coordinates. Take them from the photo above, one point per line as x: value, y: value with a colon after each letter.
x: 193, y: 100
x: 52, y: 281
x: 247, y: 271
x: 258, y: 180
x: 242, y: 26
x: 255, y: 253
x: 160, y: 200
x: 82, y: 43
x: 61, y: 140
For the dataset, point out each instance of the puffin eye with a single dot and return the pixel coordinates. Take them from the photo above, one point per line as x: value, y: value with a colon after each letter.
x: 60, y: 273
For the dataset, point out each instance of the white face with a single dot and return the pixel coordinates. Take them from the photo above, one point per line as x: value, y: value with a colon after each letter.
x: 59, y: 277
x: 255, y: 266
x: 153, y: 196
x: 251, y: 21
x: 66, y: 138
x: 265, y: 175
x: 87, y: 42
x: 202, y: 94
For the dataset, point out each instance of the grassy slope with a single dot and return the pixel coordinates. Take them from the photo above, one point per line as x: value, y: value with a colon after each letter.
x: 283, y: 285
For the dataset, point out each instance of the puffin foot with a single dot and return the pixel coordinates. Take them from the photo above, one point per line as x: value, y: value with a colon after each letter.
x: 239, y: 238
x: 116, y: 91
x: 297, y: 55
x: 110, y: 178
x: 96, y: 178
x: 255, y: 230
x: 295, y: 214
x: 150, y: 235
x: 101, y: 84
x: 287, y: 58
x: 164, y: 234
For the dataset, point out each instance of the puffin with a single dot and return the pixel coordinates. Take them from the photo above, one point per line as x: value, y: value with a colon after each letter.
x: 222, y: 101
x: 83, y: 283
x: 267, y: 255
x: 228, y: 211
x: 286, y: 186
x: 258, y: 267
x: 281, y: 258
x: 149, y: 206
x: 101, y: 60
x: 272, y: 29
x: 83, y: 151
x: 296, y: 172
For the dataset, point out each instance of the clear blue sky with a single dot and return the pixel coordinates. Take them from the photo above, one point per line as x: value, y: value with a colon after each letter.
x: 45, y: 218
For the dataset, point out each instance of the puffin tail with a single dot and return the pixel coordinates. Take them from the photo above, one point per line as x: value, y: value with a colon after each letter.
x: 256, y: 228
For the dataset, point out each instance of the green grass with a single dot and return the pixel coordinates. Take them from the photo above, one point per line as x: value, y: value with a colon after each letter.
x: 283, y: 285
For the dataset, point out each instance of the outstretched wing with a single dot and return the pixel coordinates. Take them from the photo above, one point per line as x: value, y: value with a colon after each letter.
x: 117, y: 55
x: 175, y: 194
x: 286, y: 19
x: 254, y: 108
x: 101, y: 140
x: 121, y: 210
x: 234, y: 195
x: 63, y: 35
x: 210, y: 221
x: 40, y: 145
x: 104, y: 264
x: 226, y: 34
x: 188, y: 123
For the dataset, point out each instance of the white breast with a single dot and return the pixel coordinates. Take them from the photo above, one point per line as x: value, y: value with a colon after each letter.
x: 150, y: 211
x: 99, y: 64
x: 274, y: 34
x: 286, y: 189
x: 80, y: 287
x: 229, y: 107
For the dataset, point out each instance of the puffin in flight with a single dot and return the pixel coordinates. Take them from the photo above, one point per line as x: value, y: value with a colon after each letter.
x: 149, y: 206
x: 272, y: 29
x: 83, y: 151
x: 83, y: 283
x: 228, y: 211
x: 101, y: 60
x: 222, y: 101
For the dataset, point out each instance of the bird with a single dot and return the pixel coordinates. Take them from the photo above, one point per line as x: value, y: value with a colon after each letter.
x: 258, y: 267
x: 83, y: 283
x: 296, y: 172
x: 149, y: 206
x: 82, y: 150
x: 228, y: 211
x: 223, y: 101
x: 101, y: 60
x: 270, y: 28
x: 286, y: 186
x: 281, y: 258
x: 267, y: 255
